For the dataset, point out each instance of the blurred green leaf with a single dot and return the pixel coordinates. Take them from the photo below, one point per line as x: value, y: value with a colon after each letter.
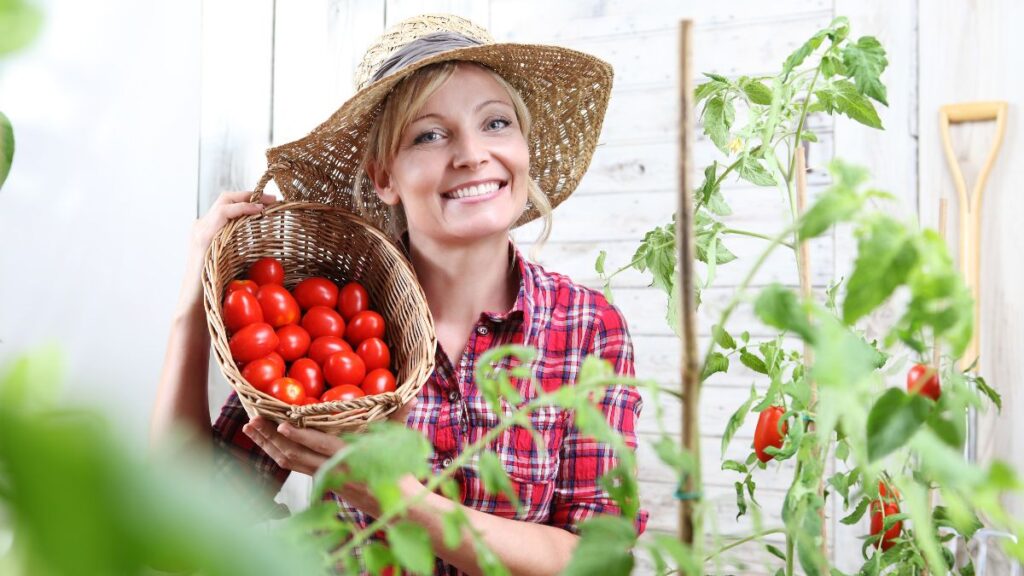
x: 604, y: 547
x: 886, y: 255
x: 410, y: 544
x: 893, y: 420
x: 495, y: 479
x: 20, y: 23
x: 778, y: 306
x: 6, y: 148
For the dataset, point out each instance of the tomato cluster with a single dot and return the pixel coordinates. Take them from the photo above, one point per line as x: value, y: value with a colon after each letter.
x: 887, y: 505
x: 315, y: 343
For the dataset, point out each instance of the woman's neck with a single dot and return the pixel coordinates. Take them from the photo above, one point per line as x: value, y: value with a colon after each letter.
x: 460, y: 281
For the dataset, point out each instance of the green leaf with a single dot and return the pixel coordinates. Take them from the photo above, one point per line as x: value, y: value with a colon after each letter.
x: 835, y: 205
x: 778, y: 306
x: 716, y: 85
x: 775, y: 552
x: 6, y: 148
x: 410, y: 544
x: 20, y: 23
x: 800, y: 54
x: 717, y: 362
x: 719, y: 115
x: 988, y: 391
x: 857, y: 513
x: 756, y: 91
x: 893, y: 420
x: 737, y: 418
x: 753, y: 362
x: 686, y: 562
x: 378, y: 557
x: 734, y: 466
x: 451, y: 524
x: 495, y: 478
x: 842, y: 96
x: 723, y: 338
x: 599, y: 263
x: 604, y: 547
x: 886, y: 254
x: 865, y: 61
x: 752, y: 171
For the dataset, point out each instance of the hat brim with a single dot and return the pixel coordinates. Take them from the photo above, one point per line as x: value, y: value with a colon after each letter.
x: 566, y: 92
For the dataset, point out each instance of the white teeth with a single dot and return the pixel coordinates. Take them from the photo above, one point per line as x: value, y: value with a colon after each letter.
x: 471, y: 191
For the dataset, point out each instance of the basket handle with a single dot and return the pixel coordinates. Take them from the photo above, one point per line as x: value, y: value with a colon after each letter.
x: 257, y: 193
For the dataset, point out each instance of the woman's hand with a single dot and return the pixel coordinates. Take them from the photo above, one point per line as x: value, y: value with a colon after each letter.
x: 305, y: 450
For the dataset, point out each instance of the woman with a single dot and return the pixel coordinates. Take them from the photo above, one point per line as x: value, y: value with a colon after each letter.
x: 453, y: 132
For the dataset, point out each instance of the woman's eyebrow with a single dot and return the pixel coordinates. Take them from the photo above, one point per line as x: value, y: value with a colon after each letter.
x: 478, y: 107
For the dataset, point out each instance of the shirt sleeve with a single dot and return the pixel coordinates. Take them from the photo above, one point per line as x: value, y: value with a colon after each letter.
x: 235, y: 454
x: 578, y: 496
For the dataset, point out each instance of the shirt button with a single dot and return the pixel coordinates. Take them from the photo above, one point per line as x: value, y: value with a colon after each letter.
x: 446, y: 462
x: 481, y: 330
x: 453, y: 396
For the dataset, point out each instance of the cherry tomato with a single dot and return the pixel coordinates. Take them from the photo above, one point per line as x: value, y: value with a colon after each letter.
x: 342, y: 393
x: 344, y: 368
x: 262, y: 372
x: 267, y: 271
x: 879, y: 512
x: 767, y: 432
x: 279, y: 308
x: 288, y: 390
x: 311, y: 400
x: 378, y: 381
x: 365, y: 324
x: 247, y: 285
x: 294, y: 342
x: 278, y: 360
x: 375, y: 353
x: 323, y: 321
x: 316, y: 291
x: 308, y: 373
x: 352, y: 300
x: 924, y: 379
x: 324, y: 346
x: 252, y: 342
x: 883, y: 491
x: 241, y: 309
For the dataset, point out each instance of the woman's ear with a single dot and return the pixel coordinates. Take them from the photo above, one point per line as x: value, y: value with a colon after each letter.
x: 382, y: 184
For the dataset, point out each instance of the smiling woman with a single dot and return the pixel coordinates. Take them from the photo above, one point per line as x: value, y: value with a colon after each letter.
x: 451, y: 141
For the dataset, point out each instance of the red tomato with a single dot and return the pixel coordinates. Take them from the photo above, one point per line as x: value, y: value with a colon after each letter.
x: 267, y: 271
x: 353, y: 300
x: 924, y: 379
x: 308, y: 373
x: 252, y: 342
x: 323, y: 321
x: 316, y: 291
x: 324, y: 346
x: 366, y: 324
x: 247, y: 285
x: 311, y: 400
x: 342, y: 393
x: 883, y: 491
x: 241, y: 309
x: 344, y: 368
x: 378, y: 381
x: 375, y: 353
x: 294, y: 342
x: 767, y: 432
x: 262, y: 372
x: 279, y: 307
x: 879, y: 511
x: 278, y: 360
x: 288, y: 390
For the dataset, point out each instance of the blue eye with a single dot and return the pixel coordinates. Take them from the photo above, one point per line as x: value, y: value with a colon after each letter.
x: 499, y: 123
x: 426, y: 137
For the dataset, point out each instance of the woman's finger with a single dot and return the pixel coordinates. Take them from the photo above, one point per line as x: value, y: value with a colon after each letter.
x: 316, y: 441
x: 287, y: 454
x: 234, y: 196
x: 232, y: 211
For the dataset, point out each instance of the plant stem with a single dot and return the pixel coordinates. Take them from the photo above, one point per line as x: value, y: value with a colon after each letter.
x: 739, y: 232
x: 803, y: 118
x: 742, y: 541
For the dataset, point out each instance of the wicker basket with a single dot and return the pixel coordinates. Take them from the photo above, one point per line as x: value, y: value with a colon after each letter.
x: 319, y: 240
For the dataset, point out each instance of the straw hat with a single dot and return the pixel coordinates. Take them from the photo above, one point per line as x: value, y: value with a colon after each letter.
x: 565, y: 91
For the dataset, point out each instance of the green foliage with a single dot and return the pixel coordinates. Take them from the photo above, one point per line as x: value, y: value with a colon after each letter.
x: 6, y: 148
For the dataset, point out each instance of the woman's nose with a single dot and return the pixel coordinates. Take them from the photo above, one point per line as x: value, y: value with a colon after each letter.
x: 470, y: 152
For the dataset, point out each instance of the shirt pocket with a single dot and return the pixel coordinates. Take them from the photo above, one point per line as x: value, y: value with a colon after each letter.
x: 525, y: 461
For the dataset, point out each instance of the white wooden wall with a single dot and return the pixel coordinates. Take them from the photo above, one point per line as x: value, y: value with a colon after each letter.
x: 273, y: 70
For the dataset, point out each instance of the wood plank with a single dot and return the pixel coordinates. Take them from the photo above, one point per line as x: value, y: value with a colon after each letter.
x: 235, y: 125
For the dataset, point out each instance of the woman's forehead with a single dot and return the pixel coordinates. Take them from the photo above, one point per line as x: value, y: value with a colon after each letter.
x: 470, y: 88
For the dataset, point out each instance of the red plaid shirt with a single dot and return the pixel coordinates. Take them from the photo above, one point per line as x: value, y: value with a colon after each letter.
x: 565, y: 322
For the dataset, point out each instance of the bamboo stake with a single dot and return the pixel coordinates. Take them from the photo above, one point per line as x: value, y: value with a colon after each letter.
x: 690, y: 530
x: 804, y: 259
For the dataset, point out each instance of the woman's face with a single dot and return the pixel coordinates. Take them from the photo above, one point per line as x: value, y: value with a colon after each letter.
x: 463, y: 164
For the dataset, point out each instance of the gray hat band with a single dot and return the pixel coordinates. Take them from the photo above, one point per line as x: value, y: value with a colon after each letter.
x: 420, y: 48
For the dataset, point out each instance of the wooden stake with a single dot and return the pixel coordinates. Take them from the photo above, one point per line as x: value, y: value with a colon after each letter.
x: 690, y: 530
x: 804, y: 257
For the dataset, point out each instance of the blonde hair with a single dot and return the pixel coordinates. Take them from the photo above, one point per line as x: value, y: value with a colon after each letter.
x: 398, y: 110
